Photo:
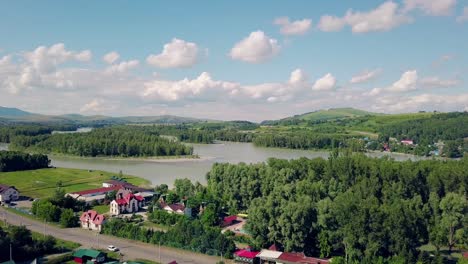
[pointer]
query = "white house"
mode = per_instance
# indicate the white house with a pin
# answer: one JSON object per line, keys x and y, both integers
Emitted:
{"x": 8, "y": 193}
{"x": 130, "y": 203}
{"x": 177, "y": 208}
{"x": 92, "y": 220}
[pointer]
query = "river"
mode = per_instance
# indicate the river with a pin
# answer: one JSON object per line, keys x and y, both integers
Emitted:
{"x": 166, "y": 171}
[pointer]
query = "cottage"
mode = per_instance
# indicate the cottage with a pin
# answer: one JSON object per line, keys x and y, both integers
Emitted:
{"x": 177, "y": 208}
{"x": 89, "y": 256}
{"x": 246, "y": 256}
{"x": 92, "y": 220}
{"x": 130, "y": 203}
{"x": 8, "y": 193}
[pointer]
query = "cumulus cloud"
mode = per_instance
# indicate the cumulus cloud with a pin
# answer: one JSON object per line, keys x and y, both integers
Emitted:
{"x": 298, "y": 27}
{"x": 365, "y": 76}
{"x": 385, "y": 17}
{"x": 97, "y": 106}
{"x": 407, "y": 82}
{"x": 122, "y": 67}
{"x": 464, "y": 16}
{"x": 111, "y": 57}
{"x": 176, "y": 54}
{"x": 255, "y": 48}
{"x": 428, "y": 102}
{"x": 431, "y": 7}
{"x": 164, "y": 90}
{"x": 326, "y": 83}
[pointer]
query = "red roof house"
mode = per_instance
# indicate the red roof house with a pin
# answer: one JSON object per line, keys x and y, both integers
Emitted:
{"x": 92, "y": 220}
{"x": 292, "y": 258}
{"x": 246, "y": 255}
{"x": 229, "y": 220}
{"x": 128, "y": 204}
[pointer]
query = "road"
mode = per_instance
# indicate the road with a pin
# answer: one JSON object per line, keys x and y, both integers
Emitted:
{"x": 130, "y": 248}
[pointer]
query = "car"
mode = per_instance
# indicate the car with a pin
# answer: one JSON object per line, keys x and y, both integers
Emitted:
{"x": 112, "y": 248}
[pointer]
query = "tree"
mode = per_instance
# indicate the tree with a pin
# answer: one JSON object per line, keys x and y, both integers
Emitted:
{"x": 68, "y": 218}
{"x": 453, "y": 207}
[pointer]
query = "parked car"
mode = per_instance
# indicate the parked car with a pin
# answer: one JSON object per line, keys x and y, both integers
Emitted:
{"x": 112, "y": 248}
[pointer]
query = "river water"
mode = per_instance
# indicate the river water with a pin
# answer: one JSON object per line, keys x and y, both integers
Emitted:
{"x": 166, "y": 171}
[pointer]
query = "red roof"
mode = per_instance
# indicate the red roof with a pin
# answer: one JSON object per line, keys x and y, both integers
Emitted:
{"x": 128, "y": 198}
{"x": 99, "y": 190}
{"x": 246, "y": 253}
{"x": 92, "y": 216}
{"x": 177, "y": 207}
{"x": 229, "y": 219}
{"x": 301, "y": 258}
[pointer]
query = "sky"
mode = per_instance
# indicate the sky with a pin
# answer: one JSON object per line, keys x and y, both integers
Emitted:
{"x": 230, "y": 60}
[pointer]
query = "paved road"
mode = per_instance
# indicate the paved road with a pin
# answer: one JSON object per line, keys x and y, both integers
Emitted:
{"x": 131, "y": 249}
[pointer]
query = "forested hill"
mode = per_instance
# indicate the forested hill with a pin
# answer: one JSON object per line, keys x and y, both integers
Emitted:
{"x": 320, "y": 115}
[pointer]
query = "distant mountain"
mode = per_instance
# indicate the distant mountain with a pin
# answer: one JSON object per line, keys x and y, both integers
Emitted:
{"x": 322, "y": 115}
{"x": 14, "y": 115}
{"x": 7, "y": 112}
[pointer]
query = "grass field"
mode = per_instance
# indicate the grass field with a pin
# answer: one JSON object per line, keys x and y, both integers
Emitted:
{"x": 41, "y": 183}
{"x": 101, "y": 209}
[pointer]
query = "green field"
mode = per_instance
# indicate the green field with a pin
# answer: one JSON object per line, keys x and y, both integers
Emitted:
{"x": 41, "y": 183}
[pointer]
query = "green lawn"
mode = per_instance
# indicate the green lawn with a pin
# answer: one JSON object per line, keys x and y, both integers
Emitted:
{"x": 102, "y": 209}
{"x": 41, "y": 183}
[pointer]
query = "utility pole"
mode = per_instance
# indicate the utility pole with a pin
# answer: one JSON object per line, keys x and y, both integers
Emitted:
{"x": 159, "y": 251}
{"x": 11, "y": 253}
{"x": 45, "y": 221}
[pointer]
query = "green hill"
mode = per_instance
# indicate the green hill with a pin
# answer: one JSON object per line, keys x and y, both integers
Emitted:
{"x": 321, "y": 115}
{"x": 7, "y": 112}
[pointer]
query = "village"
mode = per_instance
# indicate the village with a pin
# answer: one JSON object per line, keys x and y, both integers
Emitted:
{"x": 127, "y": 201}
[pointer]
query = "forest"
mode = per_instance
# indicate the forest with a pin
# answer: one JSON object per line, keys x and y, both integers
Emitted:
{"x": 364, "y": 209}
{"x": 7, "y": 133}
{"x": 125, "y": 141}
{"x": 15, "y": 161}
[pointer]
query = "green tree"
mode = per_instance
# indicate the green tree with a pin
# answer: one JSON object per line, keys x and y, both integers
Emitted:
{"x": 68, "y": 218}
{"x": 453, "y": 207}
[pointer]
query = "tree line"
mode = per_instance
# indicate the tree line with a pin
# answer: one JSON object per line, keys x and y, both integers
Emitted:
{"x": 126, "y": 141}
{"x": 7, "y": 133}
{"x": 364, "y": 209}
{"x": 16, "y": 161}
{"x": 24, "y": 245}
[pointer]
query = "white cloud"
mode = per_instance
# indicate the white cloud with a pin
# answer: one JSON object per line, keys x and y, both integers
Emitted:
{"x": 431, "y": 7}
{"x": 427, "y": 102}
{"x": 176, "y": 54}
{"x": 298, "y": 77}
{"x": 111, "y": 57}
{"x": 255, "y": 48}
{"x": 407, "y": 82}
{"x": 298, "y": 27}
{"x": 436, "y": 82}
{"x": 385, "y": 17}
{"x": 329, "y": 23}
{"x": 464, "y": 16}
{"x": 326, "y": 83}
{"x": 97, "y": 106}
{"x": 365, "y": 76}
{"x": 122, "y": 67}
{"x": 162, "y": 90}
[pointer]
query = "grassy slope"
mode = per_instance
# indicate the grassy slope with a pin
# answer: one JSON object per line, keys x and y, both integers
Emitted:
{"x": 334, "y": 113}
{"x": 41, "y": 183}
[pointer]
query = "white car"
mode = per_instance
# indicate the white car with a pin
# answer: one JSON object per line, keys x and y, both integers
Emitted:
{"x": 112, "y": 248}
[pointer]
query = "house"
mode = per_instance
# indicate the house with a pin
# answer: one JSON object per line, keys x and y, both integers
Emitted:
{"x": 269, "y": 256}
{"x": 89, "y": 196}
{"x": 124, "y": 185}
{"x": 177, "y": 208}
{"x": 89, "y": 256}
{"x": 130, "y": 203}
{"x": 229, "y": 220}
{"x": 8, "y": 193}
{"x": 92, "y": 220}
{"x": 407, "y": 142}
{"x": 293, "y": 258}
{"x": 246, "y": 255}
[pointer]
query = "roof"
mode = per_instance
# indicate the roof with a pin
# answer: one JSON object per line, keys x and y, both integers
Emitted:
{"x": 128, "y": 198}
{"x": 269, "y": 254}
{"x": 231, "y": 218}
{"x": 86, "y": 252}
{"x": 92, "y": 216}
{"x": 4, "y": 187}
{"x": 176, "y": 207}
{"x": 98, "y": 190}
{"x": 246, "y": 253}
{"x": 301, "y": 258}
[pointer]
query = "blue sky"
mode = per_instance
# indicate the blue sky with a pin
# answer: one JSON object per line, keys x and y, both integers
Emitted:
{"x": 233, "y": 60}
